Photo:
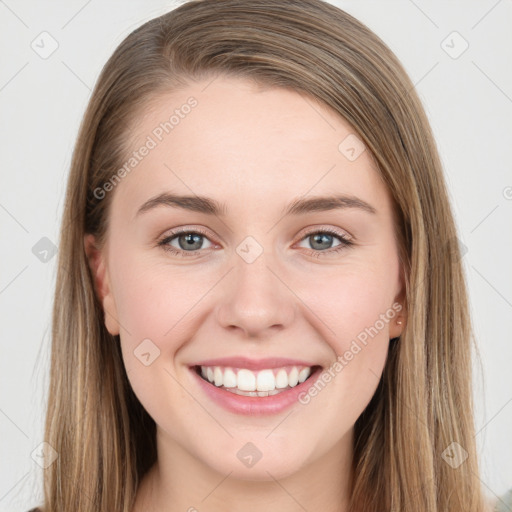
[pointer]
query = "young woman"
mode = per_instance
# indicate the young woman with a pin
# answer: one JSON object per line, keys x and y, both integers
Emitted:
{"x": 259, "y": 301}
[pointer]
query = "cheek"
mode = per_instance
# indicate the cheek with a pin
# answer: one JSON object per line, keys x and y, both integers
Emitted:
{"x": 356, "y": 311}
{"x": 154, "y": 304}
{"x": 352, "y": 300}
{"x": 157, "y": 301}
{"x": 356, "y": 307}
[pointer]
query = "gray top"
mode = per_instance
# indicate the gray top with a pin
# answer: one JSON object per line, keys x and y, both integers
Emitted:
{"x": 504, "y": 503}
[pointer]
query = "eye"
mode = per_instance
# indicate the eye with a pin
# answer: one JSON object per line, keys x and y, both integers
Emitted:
{"x": 323, "y": 238}
{"x": 189, "y": 242}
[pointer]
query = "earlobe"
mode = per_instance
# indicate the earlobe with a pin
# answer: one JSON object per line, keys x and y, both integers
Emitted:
{"x": 398, "y": 322}
{"x": 99, "y": 270}
{"x": 396, "y": 326}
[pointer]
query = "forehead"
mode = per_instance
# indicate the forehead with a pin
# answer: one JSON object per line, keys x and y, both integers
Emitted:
{"x": 249, "y": 146}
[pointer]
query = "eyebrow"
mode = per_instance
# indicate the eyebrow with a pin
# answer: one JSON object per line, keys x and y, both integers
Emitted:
{"x": 209, "y": 206}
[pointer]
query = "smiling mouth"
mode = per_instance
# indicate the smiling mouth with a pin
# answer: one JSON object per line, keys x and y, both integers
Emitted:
{"x": 244, "y": 382}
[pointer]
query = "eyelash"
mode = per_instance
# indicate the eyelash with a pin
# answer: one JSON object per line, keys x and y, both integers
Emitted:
{"x": 345, "y": 242}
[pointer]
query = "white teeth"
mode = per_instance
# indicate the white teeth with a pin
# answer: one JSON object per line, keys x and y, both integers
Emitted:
{"x": 281, "y": 379}
{"x": 246, "y": 381}
{"x": 263, "y": 383}
{"x": 236, "y": 391}
{"x": 293, "y": 378}
{"x": 229, "y": 379}
{"x": 304, "y": 374}
{"x": 266, "y": 381}
{"x": 217, "y": 376}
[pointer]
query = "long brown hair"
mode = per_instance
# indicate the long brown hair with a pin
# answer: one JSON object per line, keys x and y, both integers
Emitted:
{"x": 104, "y": 437}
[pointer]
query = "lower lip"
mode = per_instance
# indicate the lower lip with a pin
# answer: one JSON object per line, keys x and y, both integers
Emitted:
{"x": 253, "y": 406}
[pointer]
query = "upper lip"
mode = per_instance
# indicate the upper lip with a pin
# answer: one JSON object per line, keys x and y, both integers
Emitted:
{"x": 254, "y": 364}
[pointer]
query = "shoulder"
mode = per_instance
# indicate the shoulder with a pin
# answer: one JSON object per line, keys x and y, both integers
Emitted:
{"x": 504, "y": 502}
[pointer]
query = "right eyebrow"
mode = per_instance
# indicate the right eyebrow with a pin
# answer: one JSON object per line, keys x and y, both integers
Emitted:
{"x": 198, "y": 204}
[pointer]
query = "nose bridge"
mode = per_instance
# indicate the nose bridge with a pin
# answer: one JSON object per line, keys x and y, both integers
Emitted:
{"x": 255, "y": 299}
{"x": 252, "y": 273}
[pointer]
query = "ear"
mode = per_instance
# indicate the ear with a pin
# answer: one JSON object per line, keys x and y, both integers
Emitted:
{"x": 398, "y": 322}
{"x": 102, "y": 288}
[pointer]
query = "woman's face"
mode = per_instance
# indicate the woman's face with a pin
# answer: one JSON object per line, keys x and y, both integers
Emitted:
{"x": 314, "y": 285}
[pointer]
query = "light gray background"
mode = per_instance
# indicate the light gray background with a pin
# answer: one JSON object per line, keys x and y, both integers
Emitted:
{"x": 468, "y": 100}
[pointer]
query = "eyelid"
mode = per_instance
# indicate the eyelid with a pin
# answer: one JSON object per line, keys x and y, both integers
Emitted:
{"x": 326, "y": 229}
{"x": 186, "y": 229}
{"x": 173, "y": 233}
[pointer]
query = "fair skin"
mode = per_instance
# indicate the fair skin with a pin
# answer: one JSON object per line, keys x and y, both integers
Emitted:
{"x": 256, "y": 151}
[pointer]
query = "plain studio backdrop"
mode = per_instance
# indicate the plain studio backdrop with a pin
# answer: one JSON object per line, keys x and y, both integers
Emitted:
{"x": 457, "y": 53}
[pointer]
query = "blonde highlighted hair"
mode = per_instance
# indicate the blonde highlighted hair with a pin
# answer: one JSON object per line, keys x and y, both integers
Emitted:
{"x": 104, "y": 437}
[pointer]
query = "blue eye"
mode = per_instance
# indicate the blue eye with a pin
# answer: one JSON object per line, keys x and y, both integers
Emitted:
{"x": 325, "y": 236}
{"x": 186, "y": 239}
{"x": 191, "y": 241}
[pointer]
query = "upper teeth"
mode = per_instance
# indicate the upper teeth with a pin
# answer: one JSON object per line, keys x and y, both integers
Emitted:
{"x": 247, "y": 380}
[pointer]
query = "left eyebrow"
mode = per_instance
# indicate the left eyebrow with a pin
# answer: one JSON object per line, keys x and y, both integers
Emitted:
{"x": 210, "y": 206}
{"x": 322, "y": 204}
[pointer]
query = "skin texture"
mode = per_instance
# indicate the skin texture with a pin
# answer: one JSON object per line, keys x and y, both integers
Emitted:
{"x": 257, "y": 150}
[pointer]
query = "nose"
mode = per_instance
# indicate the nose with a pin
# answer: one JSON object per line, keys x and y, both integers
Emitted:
{"x": 255, "y": 299}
